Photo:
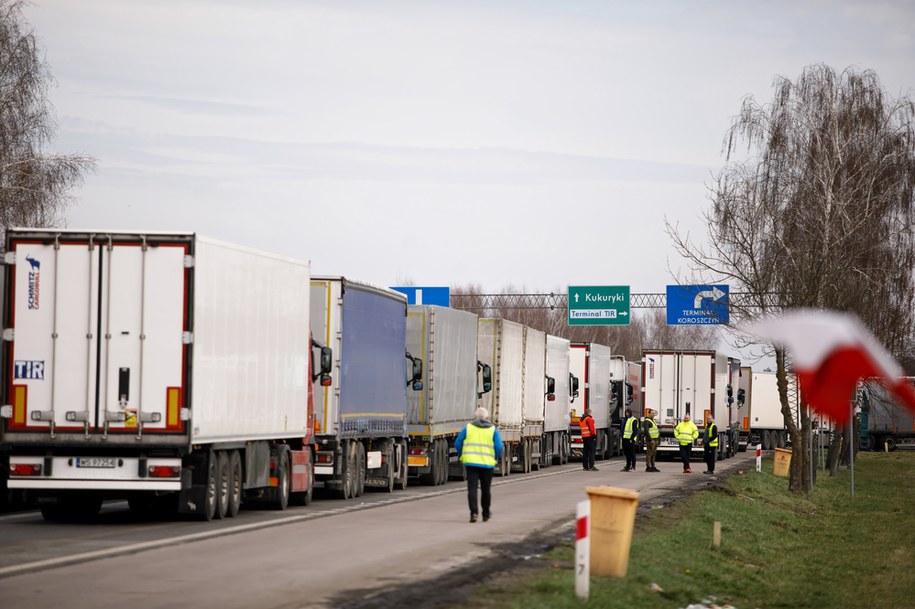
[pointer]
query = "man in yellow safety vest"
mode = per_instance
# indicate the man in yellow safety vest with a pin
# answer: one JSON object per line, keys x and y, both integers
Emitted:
{"x": 710, "y": 444}
{"x": 686, "y": 433}
{"x": 479, "y": 447}
{"x": 630, "y": 432}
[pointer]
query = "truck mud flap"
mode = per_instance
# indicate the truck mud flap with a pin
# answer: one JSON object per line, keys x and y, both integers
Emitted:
{"x": 192, "y": 497}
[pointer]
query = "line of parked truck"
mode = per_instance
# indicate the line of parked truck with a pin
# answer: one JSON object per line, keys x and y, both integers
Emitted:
{"x": 183, "y": 373}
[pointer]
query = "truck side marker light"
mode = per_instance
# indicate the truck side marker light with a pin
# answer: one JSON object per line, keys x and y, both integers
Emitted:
{"x": 20, "y": 393}
{"x": 172, "y": 405}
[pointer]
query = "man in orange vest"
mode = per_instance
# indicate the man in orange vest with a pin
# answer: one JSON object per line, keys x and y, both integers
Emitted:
{"x": 589, "y": 441}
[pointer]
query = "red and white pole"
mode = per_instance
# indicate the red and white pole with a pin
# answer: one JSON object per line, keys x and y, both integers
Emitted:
{"x": 583, "y": 549}
{"x": 759, "y": 457}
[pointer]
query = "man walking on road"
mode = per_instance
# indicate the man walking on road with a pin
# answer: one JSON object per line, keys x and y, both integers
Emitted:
{"x": 650, "y": 435}
{"x": 686, "y": 433}
{"x": 479, "y": 447}
{"x": 710, "y": 444}
{"x": 630, "y": 429}
{"x": 588, "y": 440}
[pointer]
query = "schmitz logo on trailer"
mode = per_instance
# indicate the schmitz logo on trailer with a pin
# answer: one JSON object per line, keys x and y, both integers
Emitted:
{"x": 34, "y": 282}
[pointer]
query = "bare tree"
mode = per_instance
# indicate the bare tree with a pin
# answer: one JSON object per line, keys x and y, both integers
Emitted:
{"x": 33, "y": 183}
{"x": 820, "y": 214}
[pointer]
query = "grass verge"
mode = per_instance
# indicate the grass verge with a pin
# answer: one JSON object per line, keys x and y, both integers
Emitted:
{"x": 825, "y": 549}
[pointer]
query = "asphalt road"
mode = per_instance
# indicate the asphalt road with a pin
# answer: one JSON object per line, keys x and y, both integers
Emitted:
{"x": 303, "y": 557}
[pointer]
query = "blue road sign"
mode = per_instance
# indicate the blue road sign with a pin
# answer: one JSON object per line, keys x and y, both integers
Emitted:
{"x": 697, "y": 304}
{"x": 427, "y": 296}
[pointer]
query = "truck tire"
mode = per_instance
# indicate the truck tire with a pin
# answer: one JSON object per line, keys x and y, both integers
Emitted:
{"x": 235, "y": 484}
{"x": 211, "y": 496}
{"x": 360, "y": 470}
{"x": 441, "y": 460}
{"x": 283, "y": 481}
{"x": 222, "y": 485}
{"x": 401, "y": 448}
{"x": 871, "y": 443}
{"x": 766, "y": 440}
{"x": 348, "y": 472}
{"x": 890, "y": 442}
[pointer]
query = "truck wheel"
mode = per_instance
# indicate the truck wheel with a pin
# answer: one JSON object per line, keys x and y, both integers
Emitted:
{"x": 211, "y": 500}
{"x": 441, "y": 462}
{"x": 871, "y": 443}
{"x": 235, "y": 483}
{"x": 348, "y": 473}
{"x": 566, "y": 448}
{"x": 401, "y": 449}
{"x": 222, "y": 485}
{"x": 283, "y": 482}
{"x": 766, "y": 440}
{"x": 360, "y": 469}
{"x": 890, "y": 442}
{"x": 445, "y": 462}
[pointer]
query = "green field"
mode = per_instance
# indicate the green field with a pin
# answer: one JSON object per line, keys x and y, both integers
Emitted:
{"x": 827, "y": 549}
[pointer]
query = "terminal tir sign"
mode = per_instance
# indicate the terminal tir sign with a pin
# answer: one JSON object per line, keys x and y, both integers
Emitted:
{"x": 29, "y": 370}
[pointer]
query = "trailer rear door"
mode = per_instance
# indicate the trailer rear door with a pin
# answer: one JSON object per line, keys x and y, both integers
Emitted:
{"x": 96, "y": 334}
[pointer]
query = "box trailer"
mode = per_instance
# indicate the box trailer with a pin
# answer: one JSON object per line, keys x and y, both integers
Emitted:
{"x": 361, "y": 417}
{"x": 590, "y": 364}
{"x": 743, "y": 407}
{"x": 556, "y": 414}
{"x": 445, "y": 340}
{"x": 885, "y": 423}
{"x": 677, "y": 383}
{"x": 169, "y": 369}
{"x": 501, "y": 344}
{"x": 764, "y": 412}
{"x": 533, "y": 400}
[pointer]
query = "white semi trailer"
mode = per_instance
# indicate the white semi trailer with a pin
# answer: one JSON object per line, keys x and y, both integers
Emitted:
{"x": 590, "y": 364}
{"x": 677, "y": 383}
{"x": 501, "y": 343}
{"x": 167, "y": 369}
{"x": 558, "y": 402}
{"x": 446, "y": 341}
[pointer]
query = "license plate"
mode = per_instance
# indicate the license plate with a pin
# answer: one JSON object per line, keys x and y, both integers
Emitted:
{"x": 417, "y": 461}
{"x": 96, "y": 462}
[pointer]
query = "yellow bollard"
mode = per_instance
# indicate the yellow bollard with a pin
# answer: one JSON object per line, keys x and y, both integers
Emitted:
{"x": 612, "y": 520}
{"x": 716, "y": 535}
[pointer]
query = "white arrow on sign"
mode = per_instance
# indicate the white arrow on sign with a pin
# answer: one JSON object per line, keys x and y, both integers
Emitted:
{"x": 713, "y": 294}
{"x": 624, "y": 313}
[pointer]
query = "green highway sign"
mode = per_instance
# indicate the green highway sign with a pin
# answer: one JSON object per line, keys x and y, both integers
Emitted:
{"x": 601, "y": 305}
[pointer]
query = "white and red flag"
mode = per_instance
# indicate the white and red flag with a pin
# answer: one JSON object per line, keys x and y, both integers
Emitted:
{"x": 831, "y": 351}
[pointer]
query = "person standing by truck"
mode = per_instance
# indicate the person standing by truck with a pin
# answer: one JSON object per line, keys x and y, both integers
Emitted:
{"x": 629, "y": 427}
{"x": 479, "y": 447}
{"x": 686, "y": 433}
{"x": 589, "y": 441}
{"x": 710, "y": 444}
{"x": 650, "y": 435}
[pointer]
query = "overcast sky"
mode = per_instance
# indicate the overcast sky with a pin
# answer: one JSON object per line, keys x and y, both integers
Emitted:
{"x": 531, "y": 143}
